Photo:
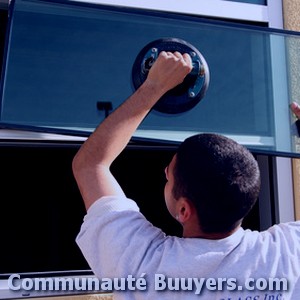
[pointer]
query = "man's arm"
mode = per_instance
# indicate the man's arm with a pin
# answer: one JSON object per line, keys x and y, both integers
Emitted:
{"x": 92, "y": 162}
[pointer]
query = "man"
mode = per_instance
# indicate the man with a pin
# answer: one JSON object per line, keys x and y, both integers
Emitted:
{"x": 212, "y": 183}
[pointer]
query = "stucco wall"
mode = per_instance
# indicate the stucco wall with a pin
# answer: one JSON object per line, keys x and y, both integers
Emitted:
{"x": 291, "y": 15}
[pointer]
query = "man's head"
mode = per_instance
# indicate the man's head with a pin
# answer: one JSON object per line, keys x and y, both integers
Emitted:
{"x": 219, "y": 177}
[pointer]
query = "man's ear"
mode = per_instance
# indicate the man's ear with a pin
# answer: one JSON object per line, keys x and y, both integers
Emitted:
{"x": 185, "y": 210}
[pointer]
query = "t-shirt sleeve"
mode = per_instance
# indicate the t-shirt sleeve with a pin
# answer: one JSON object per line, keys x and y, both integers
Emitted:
{"x": 117, "y": 240}
{"x": 285, "y": 237}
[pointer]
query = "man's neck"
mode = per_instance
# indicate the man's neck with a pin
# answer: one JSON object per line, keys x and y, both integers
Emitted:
{"x": 198, "y": 233}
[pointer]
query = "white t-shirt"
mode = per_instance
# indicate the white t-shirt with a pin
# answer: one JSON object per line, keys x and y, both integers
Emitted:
{"x": 122, "y": 247}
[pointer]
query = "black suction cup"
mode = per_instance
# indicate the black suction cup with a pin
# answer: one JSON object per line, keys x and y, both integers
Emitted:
{"x": 187, "y": 94}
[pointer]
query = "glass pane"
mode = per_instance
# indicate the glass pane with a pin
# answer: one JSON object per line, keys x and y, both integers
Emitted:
{"x": 62, "y": 58}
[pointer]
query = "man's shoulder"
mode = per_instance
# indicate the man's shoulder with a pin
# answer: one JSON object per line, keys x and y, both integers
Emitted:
{"x": 288, "y": 232}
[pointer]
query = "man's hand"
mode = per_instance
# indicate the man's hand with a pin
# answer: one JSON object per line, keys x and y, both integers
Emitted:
{"x": 168, "y": 71}
{"x": 295, "y": 109}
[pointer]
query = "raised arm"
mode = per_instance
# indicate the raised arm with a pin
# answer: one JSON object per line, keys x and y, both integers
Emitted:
{"x": 92, "y": 162}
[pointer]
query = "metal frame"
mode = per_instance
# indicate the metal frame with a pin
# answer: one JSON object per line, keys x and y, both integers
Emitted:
{"x": 271, "y": 14}
{"x": 206, "y": 8}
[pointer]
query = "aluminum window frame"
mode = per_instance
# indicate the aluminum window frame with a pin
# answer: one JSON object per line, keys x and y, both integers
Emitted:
{"x": 270, "y": 14}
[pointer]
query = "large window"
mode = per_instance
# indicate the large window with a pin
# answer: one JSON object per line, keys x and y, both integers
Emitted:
{"x": 62, "y": 59}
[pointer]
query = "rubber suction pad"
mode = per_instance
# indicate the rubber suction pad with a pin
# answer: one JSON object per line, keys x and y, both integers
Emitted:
{"x": 187, "y": 94}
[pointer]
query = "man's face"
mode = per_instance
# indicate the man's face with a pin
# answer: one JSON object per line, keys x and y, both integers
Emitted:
{"x": 169, "y": 198}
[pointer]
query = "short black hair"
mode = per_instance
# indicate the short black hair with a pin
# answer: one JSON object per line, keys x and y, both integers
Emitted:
{"x": 220, "y": 177}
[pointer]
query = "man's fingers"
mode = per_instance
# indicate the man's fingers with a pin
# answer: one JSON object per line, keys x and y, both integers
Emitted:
{"x": 295, "y": 109}
{"x": 163, "y": 53}
{"x": 170, "y": 69}
{"x": 187, "y": 58}
{"x": 178, "y": 55}
{"x": 184, "y": 58}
